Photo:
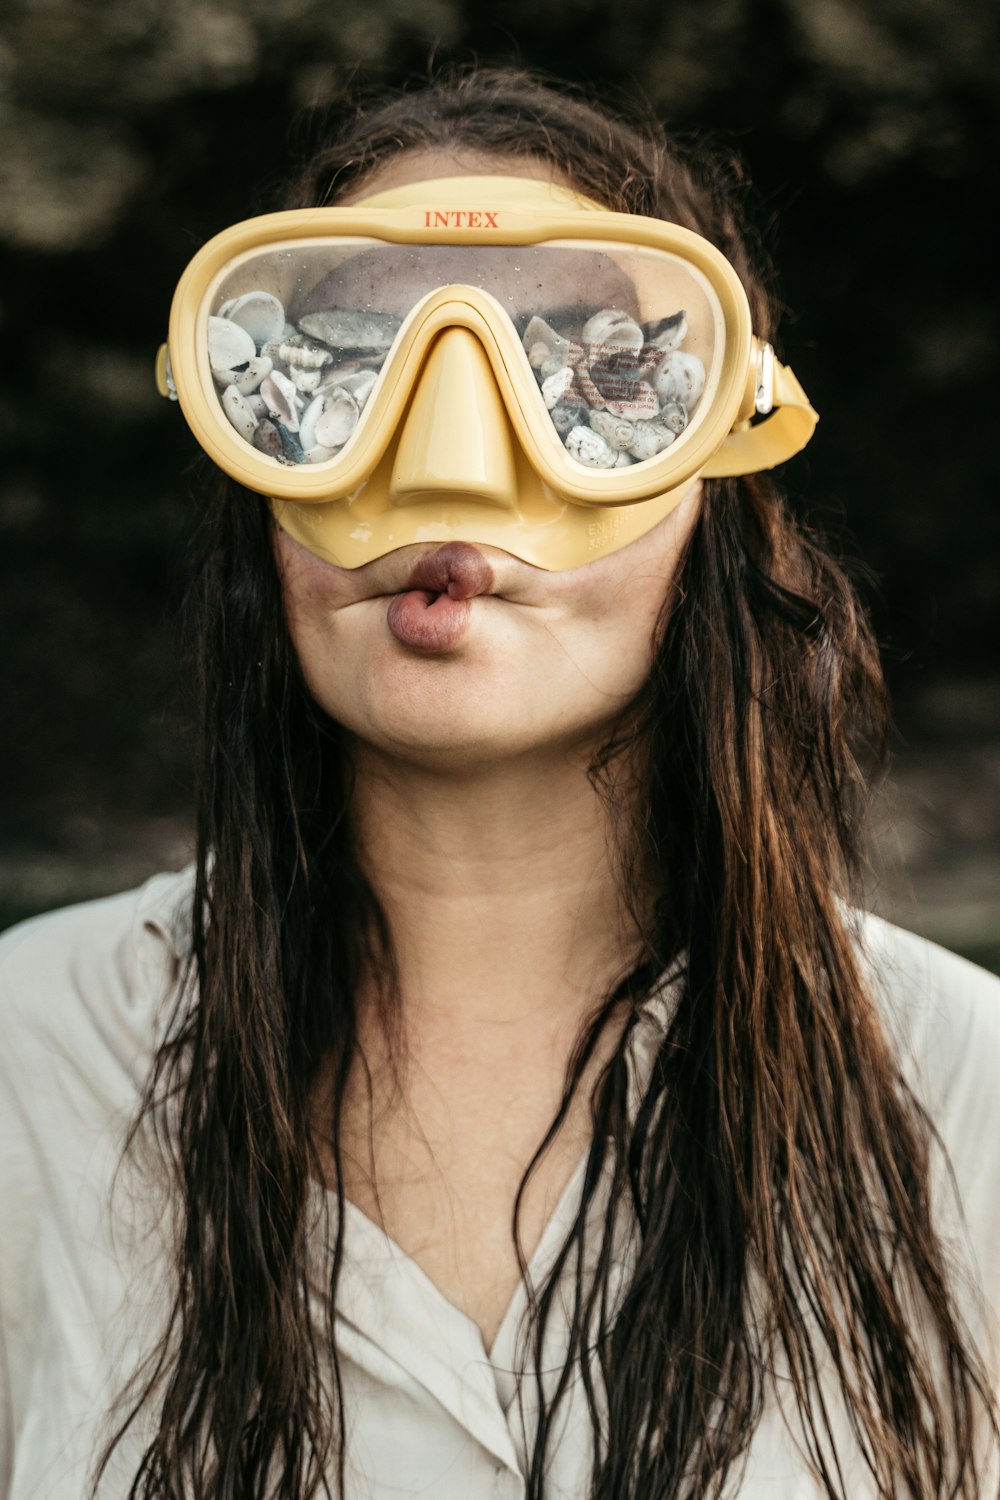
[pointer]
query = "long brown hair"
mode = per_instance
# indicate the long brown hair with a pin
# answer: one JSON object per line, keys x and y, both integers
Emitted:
{"x": 778, "y": 1140}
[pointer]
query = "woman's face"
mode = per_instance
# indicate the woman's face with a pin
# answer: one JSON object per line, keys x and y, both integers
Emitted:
{"x": 508, "y": 660}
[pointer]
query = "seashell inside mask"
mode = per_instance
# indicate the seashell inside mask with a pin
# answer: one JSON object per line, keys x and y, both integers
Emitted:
{"x": 649, "y": 439}
{"x": 641, "y": 405}
{"x": 259, "y": 313}
{"x": 247, "y": 379}
{"x": 337, "y": 421}
{"x": 560, "y": 348}
{"x": 282, "y": 400}
{"x": 267, "y": 439}
{"x": 236, "y": 408}
{"x": 343, "y": 328}
{"x": 303, "y": 354}
{"x": 556, "y": 387}
{"x": 588, "y": 447}
{"x": 566, "y": 415}
{"x": 229, "y": 345}
{"x": 667, "y": 333}
{"x": 680, "y": 377}
{"x": 611, "y": 331}
{"x": 674, "y": 415}
{"x": 616, "y": 431}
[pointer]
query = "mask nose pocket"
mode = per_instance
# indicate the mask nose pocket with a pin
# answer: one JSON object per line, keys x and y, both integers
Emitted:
{"x": 455, "y": 437}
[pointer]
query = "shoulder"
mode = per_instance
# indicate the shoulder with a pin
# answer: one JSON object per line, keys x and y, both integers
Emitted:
{"x": 95, "y": 975}
{"x": 942, "y": 1011}
{"x": 944, "y": 1015}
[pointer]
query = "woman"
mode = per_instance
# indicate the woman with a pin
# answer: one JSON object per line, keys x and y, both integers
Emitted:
{"x": 524, "y": 1110}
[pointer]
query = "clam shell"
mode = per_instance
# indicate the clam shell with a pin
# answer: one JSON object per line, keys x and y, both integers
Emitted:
{"x": 259, "y": 313}
{"x": 337, "y": 421}
{"x": 235, "y": 406}
{"x": 589, "y": 448}
{"x": 616, "y": 431}
{"x": 680, "y": 377}
{"x": 649, "y": 439}
{"x": 345, "y": 328}
{"x": 246, "y": 380}
{"x": 229, "y": 345}
{"x": 667, "y": 333}
{"x": 257, "y": 405}
{"x": 350, "y": 377}
{"x": 311, "y": 415}
{"x": 360, "y": 385}
{"x": 540, "y": 332}
{"x": 282, "y": 399}
{"x": 611, "y": 329}
{"x": 319, "y": 454}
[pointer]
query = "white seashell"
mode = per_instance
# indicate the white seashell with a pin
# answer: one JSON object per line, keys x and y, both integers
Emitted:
{"x": 346, "y": 328}
{"x": 319, "y": 454}
{"x": 360, "y": 384}
{"x": 623, "y": 461}
{"x": 563, "y": 349}
{"x": 229, "y": 345}
{"x": 611, "y": 331}
{"x": 246, "y": 380}
{"x": 306, "y": 355}
{"x": 257, "y": 405}
{"x": 260, "y": 313}
{"x": 305, "y": 380}
{"x": 282, "y": 399}
{"x": 667, "y": 333}
{"x": 337, "y": 421}
{"x": 239, "y": 413}
{"x": 650, "y": 439}
{"x": 555, "y": 387}
{"x": 538, "y": 354}
{"x": 311, "y": 415}
{"x": 551, "y": 365}
{"x": 680, "y": 377}
{"x": 616, "y": 431}
{"x": 640, "y": 406}
{"x": 588, "y": 447}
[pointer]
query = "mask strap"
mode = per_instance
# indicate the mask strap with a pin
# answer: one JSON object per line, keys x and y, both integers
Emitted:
{"x": 770, "y": 442}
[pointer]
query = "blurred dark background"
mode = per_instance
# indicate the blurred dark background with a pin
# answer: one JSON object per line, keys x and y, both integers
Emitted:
{"x": 131, "y": 130}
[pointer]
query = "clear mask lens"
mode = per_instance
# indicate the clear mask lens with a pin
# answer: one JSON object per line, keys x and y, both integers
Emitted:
{"x": 622, "y": 346}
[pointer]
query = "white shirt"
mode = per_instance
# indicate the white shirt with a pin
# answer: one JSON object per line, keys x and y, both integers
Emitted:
{"x": 85, "y": 1283}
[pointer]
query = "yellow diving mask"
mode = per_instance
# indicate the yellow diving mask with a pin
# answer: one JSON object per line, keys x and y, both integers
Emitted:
{"x": 484, "y": 359}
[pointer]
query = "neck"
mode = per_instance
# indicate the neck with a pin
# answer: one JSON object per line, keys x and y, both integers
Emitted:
{"x": 500, "y": 890}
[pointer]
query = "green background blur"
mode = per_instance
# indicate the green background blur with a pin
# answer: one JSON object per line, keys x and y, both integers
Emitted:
{"x": 131, "y": 130}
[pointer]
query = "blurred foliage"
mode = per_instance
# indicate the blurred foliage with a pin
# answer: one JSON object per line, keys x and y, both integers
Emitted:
{"x": 130, "y": 130}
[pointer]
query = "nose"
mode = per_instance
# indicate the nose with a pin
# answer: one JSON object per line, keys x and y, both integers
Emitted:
{"x": 455, "y": 437}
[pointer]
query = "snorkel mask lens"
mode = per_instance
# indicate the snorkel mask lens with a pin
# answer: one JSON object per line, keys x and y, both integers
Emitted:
{"x": 619, "y": 342}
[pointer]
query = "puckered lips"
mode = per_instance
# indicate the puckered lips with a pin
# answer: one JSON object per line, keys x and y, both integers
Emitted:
{"x": 433, "y": 612}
